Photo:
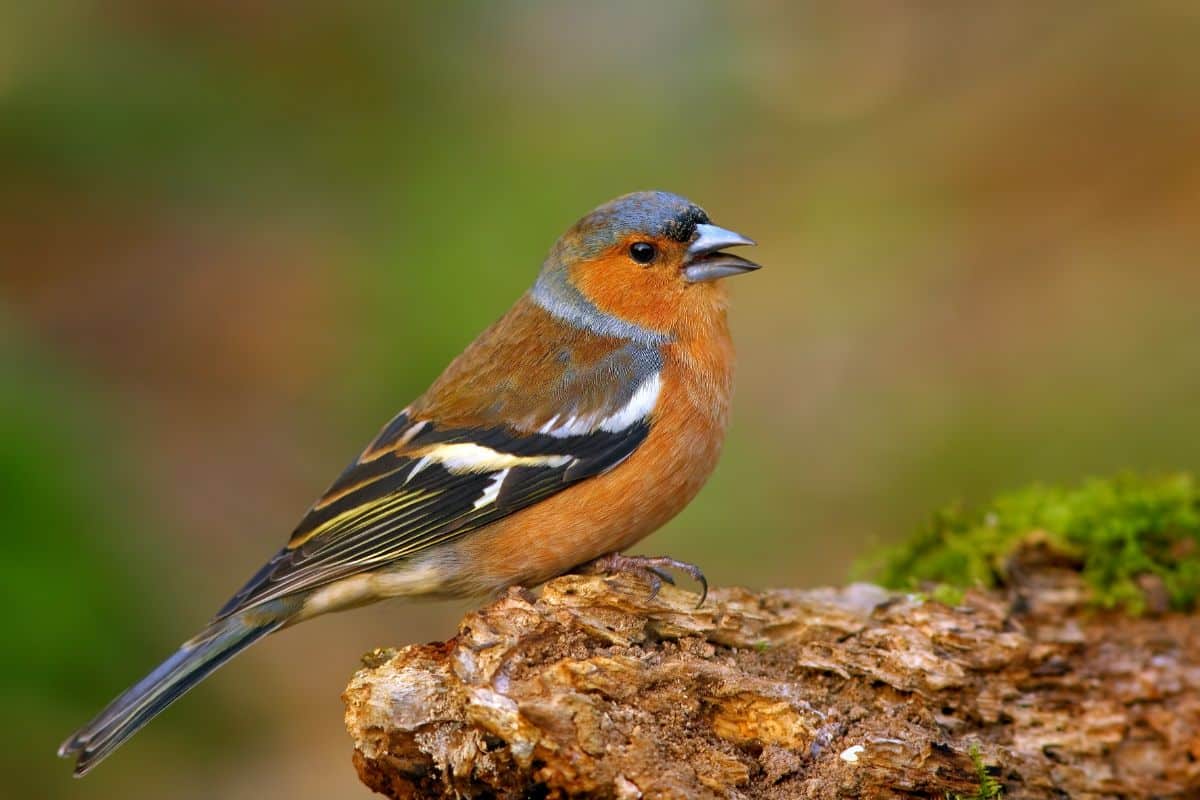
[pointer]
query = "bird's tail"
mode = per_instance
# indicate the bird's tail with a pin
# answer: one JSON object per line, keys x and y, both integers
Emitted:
{"x": 191, "y": 663}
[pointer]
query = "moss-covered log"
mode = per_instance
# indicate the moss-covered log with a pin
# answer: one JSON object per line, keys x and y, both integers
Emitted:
{"x": 595, "y": 689}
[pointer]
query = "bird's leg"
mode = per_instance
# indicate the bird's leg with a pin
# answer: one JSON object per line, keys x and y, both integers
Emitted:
{"x": 652, "y": 569}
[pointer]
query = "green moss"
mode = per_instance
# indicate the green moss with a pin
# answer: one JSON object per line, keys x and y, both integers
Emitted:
{"x": 948, "y": 595}
{"x": 989, "y": 787}
{"x": 1119, "y": 529}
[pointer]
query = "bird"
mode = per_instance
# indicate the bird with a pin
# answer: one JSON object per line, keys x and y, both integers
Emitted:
{"x": 585, "y": 418}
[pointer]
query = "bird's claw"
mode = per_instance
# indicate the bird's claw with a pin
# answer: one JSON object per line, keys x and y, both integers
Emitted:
{"x": 652, "y": 569}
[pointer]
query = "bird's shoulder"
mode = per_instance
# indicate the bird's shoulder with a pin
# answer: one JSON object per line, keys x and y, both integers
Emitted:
{"x": 530, "y": 367}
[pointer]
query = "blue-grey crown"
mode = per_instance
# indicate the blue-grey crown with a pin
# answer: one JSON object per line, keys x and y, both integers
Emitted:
{"x": 653, "y": 214}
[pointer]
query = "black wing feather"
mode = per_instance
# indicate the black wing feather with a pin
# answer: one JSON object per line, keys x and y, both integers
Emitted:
{"x": 387, "y": 506}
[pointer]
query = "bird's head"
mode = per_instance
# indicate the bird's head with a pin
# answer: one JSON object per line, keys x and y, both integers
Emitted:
{"x": 652, "y": 259}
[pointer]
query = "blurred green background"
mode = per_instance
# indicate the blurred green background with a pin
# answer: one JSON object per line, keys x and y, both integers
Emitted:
{"x": 236, "y": 237}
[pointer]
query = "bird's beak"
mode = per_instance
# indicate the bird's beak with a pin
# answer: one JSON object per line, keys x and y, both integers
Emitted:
{"x": 706, "y": 262}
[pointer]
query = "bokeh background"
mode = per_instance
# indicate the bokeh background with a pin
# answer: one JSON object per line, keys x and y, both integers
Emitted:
{"x": 235, "y": 237}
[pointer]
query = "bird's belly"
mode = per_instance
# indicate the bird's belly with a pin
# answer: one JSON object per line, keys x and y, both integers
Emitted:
{"x": 607, "y": 513}
{"x": 421, "y": 577}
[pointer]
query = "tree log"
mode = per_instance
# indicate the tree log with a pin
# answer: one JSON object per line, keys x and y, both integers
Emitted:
{"x": 596, "y": 688}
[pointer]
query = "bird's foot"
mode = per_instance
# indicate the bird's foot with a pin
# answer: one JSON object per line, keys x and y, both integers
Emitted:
{"x": 652, "y": 569}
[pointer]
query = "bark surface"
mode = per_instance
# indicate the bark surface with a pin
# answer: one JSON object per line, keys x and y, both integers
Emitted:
{"x": 593, "y": 688}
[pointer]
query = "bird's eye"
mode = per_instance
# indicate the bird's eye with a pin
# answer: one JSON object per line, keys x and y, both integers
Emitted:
{"x": 642, "y": 252}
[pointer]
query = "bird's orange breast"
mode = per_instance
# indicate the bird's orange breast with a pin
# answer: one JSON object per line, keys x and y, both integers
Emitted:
{"x": 612, "y": 511}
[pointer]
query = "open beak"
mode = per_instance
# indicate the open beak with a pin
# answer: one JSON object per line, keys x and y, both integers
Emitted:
{"x": 706, "y": 262}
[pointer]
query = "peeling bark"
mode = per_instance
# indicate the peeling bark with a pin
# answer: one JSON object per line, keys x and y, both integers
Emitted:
{"x": 595, "y": 689}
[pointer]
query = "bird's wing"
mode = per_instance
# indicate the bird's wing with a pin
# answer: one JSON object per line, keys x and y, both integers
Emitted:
{"x": 423, "y": 482}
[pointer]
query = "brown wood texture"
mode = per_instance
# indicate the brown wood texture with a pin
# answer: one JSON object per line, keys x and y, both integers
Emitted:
{"x": 592, "y": 688}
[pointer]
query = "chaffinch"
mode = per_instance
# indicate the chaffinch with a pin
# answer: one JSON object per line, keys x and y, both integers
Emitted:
{"x": 585, "y": 418}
